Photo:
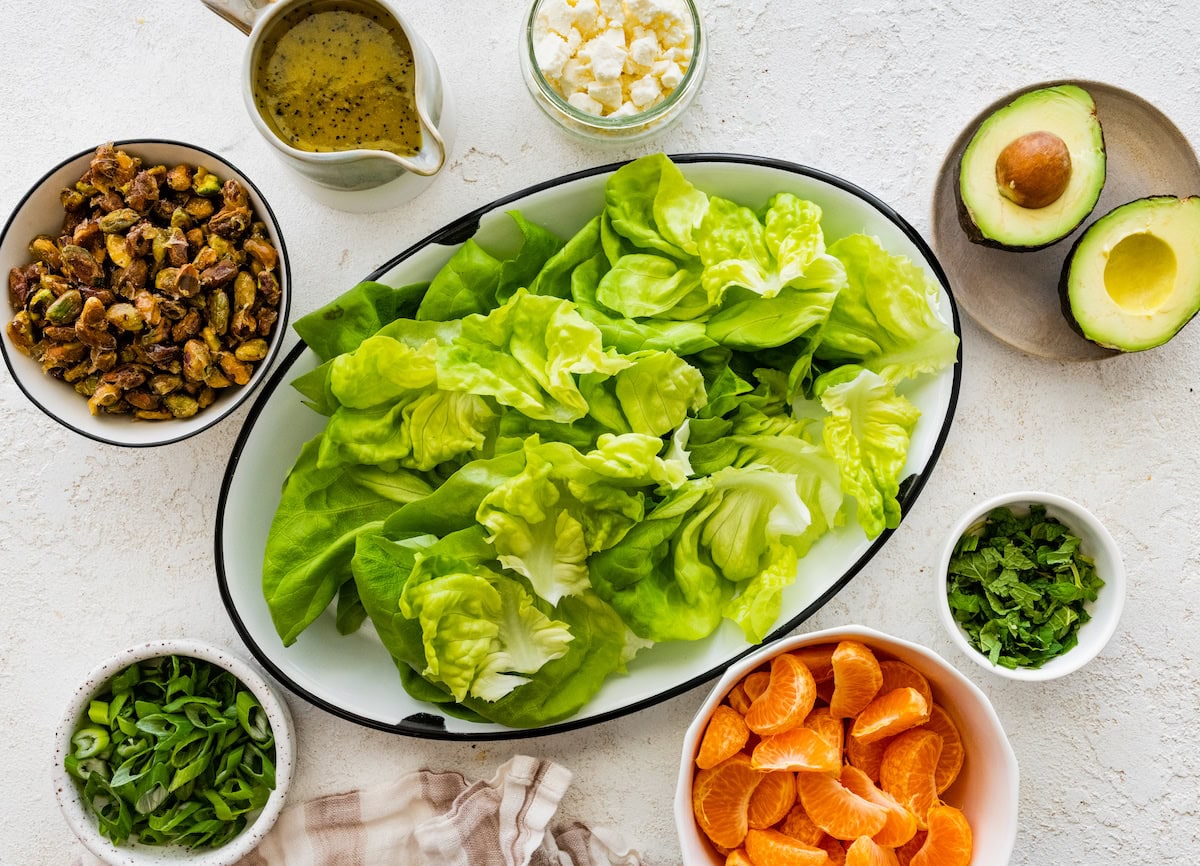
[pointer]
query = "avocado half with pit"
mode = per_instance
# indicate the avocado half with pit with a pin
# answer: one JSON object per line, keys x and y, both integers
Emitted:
{"x": 1132, "y": 280}
{"x": 1033, "y": 170}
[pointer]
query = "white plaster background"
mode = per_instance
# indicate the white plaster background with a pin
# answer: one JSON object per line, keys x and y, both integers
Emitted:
{"x": 103, "y": 547}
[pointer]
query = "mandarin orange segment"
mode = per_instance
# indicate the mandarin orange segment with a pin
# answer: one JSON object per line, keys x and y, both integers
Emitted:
{"x": 831, "y": 730}
{"x": 951, "y": 760}
{"x": 909, "y": 849}
{"x": 787, "y": 699}
{"x": 949, "y": 840}
{"x": 867, "y": 852}
{"x": 756, "y": 683}
{"x": 901, "y": 823}
{"x": 825, "y": 691}
{"x": 725, "y": 736}
{"x": 897, "y": 674}
{"x": 772, "y": 848}
{"x": 836, "y": 809}
{"x": 907, "y": 771}
{"x": 866, "y": 756}
{"x": 738, "y": 699}
{"x": 835, "y": 850}
{"x": 798, "y": 825}
{"x": 800, "y": 749}
{"x": 738, "y": 857}
{"x": 889, "y": 714}
{"x": 771, "y": 800}
{"x": 856, "y": 679}
{"x": 721, "y": 798}
{"x": 818, "y": 659}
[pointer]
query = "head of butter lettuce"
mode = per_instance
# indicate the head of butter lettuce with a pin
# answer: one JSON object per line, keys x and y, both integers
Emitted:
{"x": 539, "y": 463}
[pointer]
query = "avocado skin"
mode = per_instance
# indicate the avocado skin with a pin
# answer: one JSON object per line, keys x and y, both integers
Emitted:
{"x": 1064, "y": 295}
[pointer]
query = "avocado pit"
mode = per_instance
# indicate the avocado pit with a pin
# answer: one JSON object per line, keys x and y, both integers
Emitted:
{"x": 1033, "y": 171}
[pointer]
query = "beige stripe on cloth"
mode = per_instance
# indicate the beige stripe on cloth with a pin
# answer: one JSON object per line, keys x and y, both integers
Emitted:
{"x": 429, "y": 818}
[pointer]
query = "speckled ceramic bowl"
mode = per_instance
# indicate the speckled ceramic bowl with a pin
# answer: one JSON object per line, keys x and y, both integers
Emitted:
{"x": 78, "y": 814}
{"x": 985, "y": 789}
{"x": 40, "y": 211}
{"x": 1095, "y": 541}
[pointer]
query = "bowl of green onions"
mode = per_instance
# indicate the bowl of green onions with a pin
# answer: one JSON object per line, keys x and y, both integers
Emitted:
{"x": 173, "y": 751}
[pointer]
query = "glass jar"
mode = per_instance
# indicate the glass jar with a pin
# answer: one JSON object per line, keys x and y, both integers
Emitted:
{"x": 623, "y": 126}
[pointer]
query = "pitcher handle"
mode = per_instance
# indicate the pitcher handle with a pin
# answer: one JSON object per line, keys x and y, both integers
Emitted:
{"x": 240, "y": 13}
{"x": 430, "y": 131}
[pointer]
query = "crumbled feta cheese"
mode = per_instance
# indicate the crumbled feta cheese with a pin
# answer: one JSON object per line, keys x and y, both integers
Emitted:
{"x": 585, "y": 103}
{"x": 613, "y": 57}
{"x": 644, "y": 50}
{"x": 552, "y": 52}
{"x": 609, "y": 94}
{"x": 645, "y": 91}
{"x": 671, "y": 76}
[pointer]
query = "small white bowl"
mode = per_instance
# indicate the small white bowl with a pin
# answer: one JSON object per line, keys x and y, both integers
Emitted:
{"x": 39, "y": 212}
{"x": 1095, "y": 542}
{"x": 83, "y": 822}
{"x": 986, "y": 788}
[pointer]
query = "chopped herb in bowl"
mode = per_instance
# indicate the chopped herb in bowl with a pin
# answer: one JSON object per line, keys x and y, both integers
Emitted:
{"x": 1018, "y": 585}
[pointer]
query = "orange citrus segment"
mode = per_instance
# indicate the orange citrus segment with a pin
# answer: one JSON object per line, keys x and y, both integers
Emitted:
{"x": 909, "y": 849}
{"x": 738, "y": 857}
{"x": 787, "y": 699}
{"x": 901, "y": 823}
{"x": 724, "y": 737}
{"x": 866, "y": 852}
{"x": 738, "y": 699}
{"x": 907, "y": 771}
{"x": 755, "y": 684}
{"x": 818, "y": 659}
{"x": 856, "y": 679}
{"x": 771, "y": 800}
{"x": 836, "y": 809}
{"x": 798, "y": 825}
{"x": 825, "y": 690}
{"x": 951, "y": 760}
{"x": 798, "y": 749}
{"x": 721, "y": 798}
{"x": 897, "y": 674}
{"x": 772, "y": 848}
{"x": 835, "y": 849}
{"x": 949, "y": 840}
{"x": 890, "y": 713}
{"x": 830, "y": 729}
{"x": 866, "y": 756}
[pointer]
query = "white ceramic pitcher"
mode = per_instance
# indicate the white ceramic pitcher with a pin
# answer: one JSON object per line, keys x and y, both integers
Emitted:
{"x": 360, "y": 179}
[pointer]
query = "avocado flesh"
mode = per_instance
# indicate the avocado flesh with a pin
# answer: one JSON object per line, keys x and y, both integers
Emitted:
{"x": 988, "y": 216}
{"x": 1132, "y": 279}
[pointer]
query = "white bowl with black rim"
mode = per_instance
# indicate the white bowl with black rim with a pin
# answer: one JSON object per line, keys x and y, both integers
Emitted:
{"x": 40, "y": 212}
{"x": 353, "y": 676}
{"x": 77, "y": 811}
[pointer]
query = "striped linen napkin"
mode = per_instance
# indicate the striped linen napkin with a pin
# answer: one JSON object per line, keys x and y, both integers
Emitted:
{"x": 429, "y": 818}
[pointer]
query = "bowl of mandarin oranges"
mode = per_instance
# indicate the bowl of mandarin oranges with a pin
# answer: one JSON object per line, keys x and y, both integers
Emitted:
{"x": 846, "y": 747}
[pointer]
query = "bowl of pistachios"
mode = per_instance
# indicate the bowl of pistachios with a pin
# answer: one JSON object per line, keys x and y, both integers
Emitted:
{"x": 148, "y": 291}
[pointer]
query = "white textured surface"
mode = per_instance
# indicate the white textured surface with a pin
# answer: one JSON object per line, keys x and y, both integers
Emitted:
{"x": 106, "y": 547}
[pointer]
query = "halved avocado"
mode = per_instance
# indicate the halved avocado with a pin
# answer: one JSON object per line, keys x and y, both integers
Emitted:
{"x": 1132, "y": 280}
{"x": 1033, "y": 170}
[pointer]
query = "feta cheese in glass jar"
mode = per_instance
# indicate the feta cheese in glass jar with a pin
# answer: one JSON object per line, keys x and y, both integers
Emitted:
{"x": 613, "y": 70}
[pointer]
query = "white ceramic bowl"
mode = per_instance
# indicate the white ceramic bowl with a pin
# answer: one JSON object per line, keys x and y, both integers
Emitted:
{"x": 1095, "y": 541}
{"x": 40, "y": 212}
{"x": 986, "y": 787}
{"x": 83, "y": 822}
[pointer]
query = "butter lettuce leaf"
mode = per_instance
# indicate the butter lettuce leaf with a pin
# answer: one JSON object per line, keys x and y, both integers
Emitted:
{"x": 867, "y": 433}
{"x": 886, "y": 319}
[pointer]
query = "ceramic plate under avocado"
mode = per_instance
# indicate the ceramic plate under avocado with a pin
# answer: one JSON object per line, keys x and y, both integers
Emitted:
{"x": 1014, "y": 295}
